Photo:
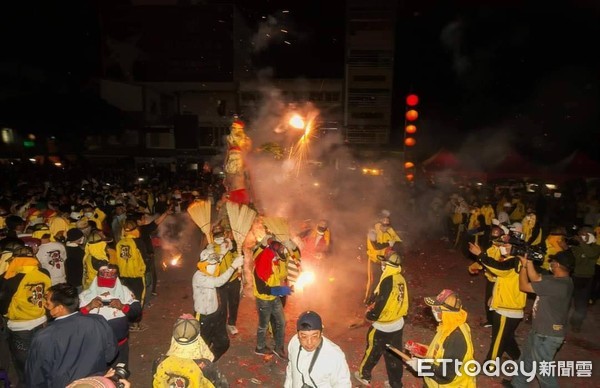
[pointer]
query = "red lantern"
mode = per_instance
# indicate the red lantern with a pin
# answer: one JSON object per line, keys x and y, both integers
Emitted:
{"x": 410, "y": 141}
{"x": 412, "y": 115}
{"x": 411, "y": 129}
{"x": 410, "y": 177}
{"x": 412, "y": 100}
{"x": 408, "y": 165}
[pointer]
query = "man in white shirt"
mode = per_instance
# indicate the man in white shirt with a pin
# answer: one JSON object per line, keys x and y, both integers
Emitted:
{"x": 52, "y": 256}
{"x": 206, "y": 302}
{"x": 315, "y": 361}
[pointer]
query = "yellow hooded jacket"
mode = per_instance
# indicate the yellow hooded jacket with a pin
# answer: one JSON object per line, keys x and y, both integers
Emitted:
{"x": 382, "y": 237}
{"x": 27, "y": 303}
{"x": 93, "y": 258}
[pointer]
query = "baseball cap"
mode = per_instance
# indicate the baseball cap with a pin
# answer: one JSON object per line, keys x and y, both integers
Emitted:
{"x": 564, "y": 258}
{"x": 309, "y": 320}
{"x": 447, "y": 298}
{"x": 186, "y": 330}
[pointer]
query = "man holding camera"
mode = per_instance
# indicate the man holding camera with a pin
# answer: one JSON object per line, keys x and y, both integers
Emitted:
{"x": 550, "y": 311}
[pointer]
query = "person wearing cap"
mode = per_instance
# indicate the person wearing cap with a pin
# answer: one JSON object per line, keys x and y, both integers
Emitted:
{"x": 387, "y": 317}
{"x": 317, "y": 242}
{"x": 379, "y": 238}
{"x": 314, "y": 360}
{"x": 52, "y": 256}
{"x": 74, "y": 262}
{"x": 452, "y": 341}
{"x": 189, "y": 361}
{"x": 503, "y": 217}
{"x": 210, "y": 311}
{"x": 587, "y": 253}
{"x": 22, "y": 289}
{"x": 269, "y": 286}
{"x": 72, "y": 346}
{"x": 107, "y": 297}
{"x": 550, "y": 314}
{"x": 507, "y": 301}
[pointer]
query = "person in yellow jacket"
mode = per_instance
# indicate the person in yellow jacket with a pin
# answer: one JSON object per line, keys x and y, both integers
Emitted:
{"x": 532, "y": 230}
{"x": 130, "y": 261}
{"x": 555, "y": 242}
{"x": 230, "y": 292}
{"x": 381, "y": 237}
{"x": 95, "y": 256}
{"x": 518, "y": 209}
{"x": 452, "y": 341}
{"x": 493, "y": 251}
{"x": 22, "y": 290}
{"x": 387, "y": 317}
{"x": 189, "y": 361}
{"x": 507, "y": 301}
{"x": 487, "y": 210}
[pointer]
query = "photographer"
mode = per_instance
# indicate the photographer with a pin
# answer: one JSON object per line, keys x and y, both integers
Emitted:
{"x": 507, "y": 300}
{"x": 550, "y": 311}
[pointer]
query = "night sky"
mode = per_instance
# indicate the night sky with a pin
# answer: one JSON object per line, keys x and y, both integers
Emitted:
{"x": 529, "y": 68}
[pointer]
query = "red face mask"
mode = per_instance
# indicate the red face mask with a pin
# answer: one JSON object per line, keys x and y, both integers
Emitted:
{"x": 107, "y": 277}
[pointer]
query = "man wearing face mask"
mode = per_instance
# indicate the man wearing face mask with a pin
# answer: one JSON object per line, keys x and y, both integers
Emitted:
{"x": 314, "y": 361}
{"x": 452, "y": 341}
{"x": 206, "y": 302}
{"x": 507, "y": 301}
{"x": 95, "y": 256}
{"x": 493, "y": 251}
{"x": 381, "y": 237}
{"x": 586, "y": 254}
{"x": 318, "y": 241}
{"x": 269, "y": 287}
{"x": 387, "y": 315}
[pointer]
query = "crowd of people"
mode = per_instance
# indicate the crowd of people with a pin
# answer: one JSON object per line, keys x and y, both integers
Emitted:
{"x": 78, "y": 268}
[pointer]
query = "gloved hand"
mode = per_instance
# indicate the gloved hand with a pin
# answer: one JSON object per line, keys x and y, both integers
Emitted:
{"x": 281, "y": 291}
{"x": 413, "y": 363}
{"x": 238, "y": 262}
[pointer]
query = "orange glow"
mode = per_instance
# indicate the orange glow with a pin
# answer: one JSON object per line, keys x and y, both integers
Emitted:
{"x": 412, "y": 115}
{"x": 410, "y": 141}
{"x": 408, "y": 165}
{"x": 297, "y": 122}
{"x": 412, "y": 100}
{"x": 410, "y": 177}
{"x": 411, "y": 128}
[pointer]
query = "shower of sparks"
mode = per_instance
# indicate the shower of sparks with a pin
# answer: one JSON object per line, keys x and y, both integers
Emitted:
{"x": 299, "y": 151}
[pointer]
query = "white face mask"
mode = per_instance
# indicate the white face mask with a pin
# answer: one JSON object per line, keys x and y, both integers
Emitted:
{"x": 503, "y": 251}
{"x": 219, "y": 240}
{"x": 88, "y": 214}
{"x": 211, "y": 268}
{"x": 436, "y": 314}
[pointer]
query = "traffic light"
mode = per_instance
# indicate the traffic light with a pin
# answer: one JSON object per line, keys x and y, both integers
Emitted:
{"x": 410, "y": 129}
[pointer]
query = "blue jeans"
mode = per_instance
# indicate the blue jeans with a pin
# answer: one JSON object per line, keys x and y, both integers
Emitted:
{"x": 538, "y": 348}
{"x": 266, "y": 309}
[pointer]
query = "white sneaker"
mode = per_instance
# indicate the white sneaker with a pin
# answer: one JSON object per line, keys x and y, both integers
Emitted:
{"x": 361, "y": 380}
{"x": 232, "y": 329}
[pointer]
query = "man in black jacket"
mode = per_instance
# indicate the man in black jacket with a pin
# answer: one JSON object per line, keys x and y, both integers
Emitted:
{"x": 72, "y": 346}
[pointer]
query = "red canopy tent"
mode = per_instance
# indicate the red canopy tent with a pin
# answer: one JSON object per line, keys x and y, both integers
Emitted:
{"x": 441, "y": 161}
{"x": 514, "y": 165}
{"x": 578, "y": 165}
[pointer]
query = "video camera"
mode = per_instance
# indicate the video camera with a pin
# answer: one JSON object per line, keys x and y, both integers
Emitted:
{"x": 520, "y": 248}
{"x": 121, "y": 373}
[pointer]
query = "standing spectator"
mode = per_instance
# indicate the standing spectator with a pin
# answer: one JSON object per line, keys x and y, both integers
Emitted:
{"x": 206, "y": 301}
{"x": 229, "y": 293}
{"x": 586, "y": 254}
{"x": 115, "y": 302}
{"x": 315, "y": 361}
{"x": 72, "y": 346}
{"x": 268, "y": 288}
{"x": 22, "y": 289}
{"x": 387, "y": 314}
{"x": 74, "y": 262}
{"x": 52, "y": 256}
{"x": 118, "y": 220}
{"x": 550, "y": 312}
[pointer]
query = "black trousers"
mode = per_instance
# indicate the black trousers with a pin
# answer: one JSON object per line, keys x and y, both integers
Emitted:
{"x": 489, "y": 289}
{"x": 214, "y": 332}
{"x": 376, "y": 341}
{"x": 503, "y": 337}
{"x": 19, "y": 343}
{"x": 229, "y": 295}
{"x": 581, "y": 295}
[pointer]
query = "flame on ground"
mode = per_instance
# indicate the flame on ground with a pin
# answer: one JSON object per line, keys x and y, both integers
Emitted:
{"x": 305, "y": 278}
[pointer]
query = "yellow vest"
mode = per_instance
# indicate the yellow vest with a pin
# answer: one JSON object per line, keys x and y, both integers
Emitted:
{"x": 392, "y": 311}
{"x": 179, "y": 372}
{"x": 28, "y": 301}
{"x": 488, "y": 213}
{"x": 129, "y": 259}
{"x": 382, "y": 237}
{"x": 436, "y": 351}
